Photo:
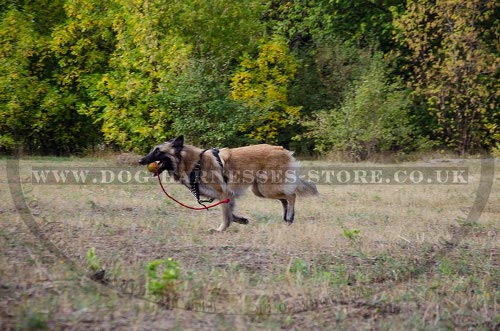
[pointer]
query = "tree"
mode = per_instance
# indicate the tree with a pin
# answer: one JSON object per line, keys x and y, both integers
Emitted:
{"x": 200, "y": 102}
{"x": 361, "y": 22}
{"x": 373, "y": 117}
{"x": 333, "y": 42}
{"x": 20, "y": 91}
{"x": 34, "y": 113}
{"x": 452, "y": 69}
{"x": 261, "y": 84}
{"x": 168, "y": 72}
{"x": 146, "y": 60}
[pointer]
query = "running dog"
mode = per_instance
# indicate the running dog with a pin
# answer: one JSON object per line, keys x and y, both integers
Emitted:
{"x": 270, "y": 171}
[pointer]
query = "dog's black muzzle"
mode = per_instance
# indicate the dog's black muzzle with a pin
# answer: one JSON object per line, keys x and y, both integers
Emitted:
{"x": 145, "y": 160}
{"x": 164, "y": 163}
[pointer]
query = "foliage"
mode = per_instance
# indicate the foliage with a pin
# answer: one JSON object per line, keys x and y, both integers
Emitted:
{"x": 495, "y": 151}
{"x": 352, "y": 235}
{"x": 299, "y": 267}
{"x": 332, "y": 41}
{"x": 358, "y": 22}
{"x": 219, "y": 29}
{"x": 19, "y": 91}
{"x": 162, "y": 283}
{"x": 338, "y": 64}
{"x": 155, "y": 86}
{"x": 77, "y": 73}
{"x": 34, "y": 113}
{"x": 33, "y": 320}
{"x": 143, "y": 63}
{"x": 453, "y": 69}
{"x": 261, "y": 83}
{"x": 93, "y": 262}
{"x": 201, "y": 95}
{"x": 373, "y": 117}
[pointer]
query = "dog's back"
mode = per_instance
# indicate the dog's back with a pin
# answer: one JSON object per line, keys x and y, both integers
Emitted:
{"x": 272, "y": 171}
{"x": 257, "y": 158}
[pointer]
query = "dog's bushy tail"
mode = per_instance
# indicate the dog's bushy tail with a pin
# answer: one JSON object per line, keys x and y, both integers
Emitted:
{"x": 306, "y": 188}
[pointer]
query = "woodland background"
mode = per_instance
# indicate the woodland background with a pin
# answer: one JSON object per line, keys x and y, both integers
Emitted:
{"x": 317, "y": 76}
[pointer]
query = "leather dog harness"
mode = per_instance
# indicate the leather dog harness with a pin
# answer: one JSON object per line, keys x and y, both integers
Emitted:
{"x": 195, "y": 176}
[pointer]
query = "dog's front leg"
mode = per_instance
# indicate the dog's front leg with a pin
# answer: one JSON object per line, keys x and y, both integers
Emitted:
{"x": 227, "y": 215}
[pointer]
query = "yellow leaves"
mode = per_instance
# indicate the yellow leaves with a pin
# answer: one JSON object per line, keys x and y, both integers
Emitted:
{"x": 261, "y": 84}
{"x": 451, "y": 65}
{"x": 293, "y": 112}
{"x": 266, "y": 76}
{"x": 146, "y": 63}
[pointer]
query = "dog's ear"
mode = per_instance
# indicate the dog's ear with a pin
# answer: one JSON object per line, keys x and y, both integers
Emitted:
{"x": 178, "y": 143}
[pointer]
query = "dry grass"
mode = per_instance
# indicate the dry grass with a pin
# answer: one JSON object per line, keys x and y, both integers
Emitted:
{"x": 415, "y": 263}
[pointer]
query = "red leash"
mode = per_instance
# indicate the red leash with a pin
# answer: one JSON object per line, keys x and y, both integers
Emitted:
{"x": 180, "y": 203}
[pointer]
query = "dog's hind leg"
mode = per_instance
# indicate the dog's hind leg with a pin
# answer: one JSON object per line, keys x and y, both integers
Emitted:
{"x": 284, "y": 203}
{"x": 288, "y": 208}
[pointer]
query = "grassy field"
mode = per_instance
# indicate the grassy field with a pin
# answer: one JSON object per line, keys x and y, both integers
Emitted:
{"x": 358, "y": 257}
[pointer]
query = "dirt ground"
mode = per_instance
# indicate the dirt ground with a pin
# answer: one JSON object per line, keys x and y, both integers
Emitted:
{"x": 358, "y": 257}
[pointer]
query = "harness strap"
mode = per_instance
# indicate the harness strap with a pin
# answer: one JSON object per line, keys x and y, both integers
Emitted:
{"x": 215, "y": 152}
{"x": 180, "y": 203}
{"x": 195, "y": 176}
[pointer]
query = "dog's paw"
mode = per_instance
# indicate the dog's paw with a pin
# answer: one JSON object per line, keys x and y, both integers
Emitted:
{"x": 240, "y": 220}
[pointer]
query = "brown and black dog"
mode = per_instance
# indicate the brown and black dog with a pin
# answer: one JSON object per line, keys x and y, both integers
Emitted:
{"x": 270, "y": 171}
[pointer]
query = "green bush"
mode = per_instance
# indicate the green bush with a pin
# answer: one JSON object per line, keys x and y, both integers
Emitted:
{"x": 373, "y": 117}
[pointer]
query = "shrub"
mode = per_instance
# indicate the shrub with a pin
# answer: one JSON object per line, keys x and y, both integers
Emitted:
{"x": 373, "y": 117}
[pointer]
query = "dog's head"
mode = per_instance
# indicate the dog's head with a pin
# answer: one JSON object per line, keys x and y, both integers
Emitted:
{"x": 167, "y": 154}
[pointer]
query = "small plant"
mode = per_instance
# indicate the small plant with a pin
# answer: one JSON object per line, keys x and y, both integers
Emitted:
{"x": 288, "y": 322}
{"x": 339, "y": 275}
{"x": 31, "y": 320}
{"x": 299, "y": 267}
{"x": 97, "y": 271}
{"x": 161, "y": 278}
{"x": 263, "y": 306}
{"x": 445, "y": 267}
{"x": 281, "y": 307}
{"x": 351, "y": 234}
{"x": 93, "y": 262}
